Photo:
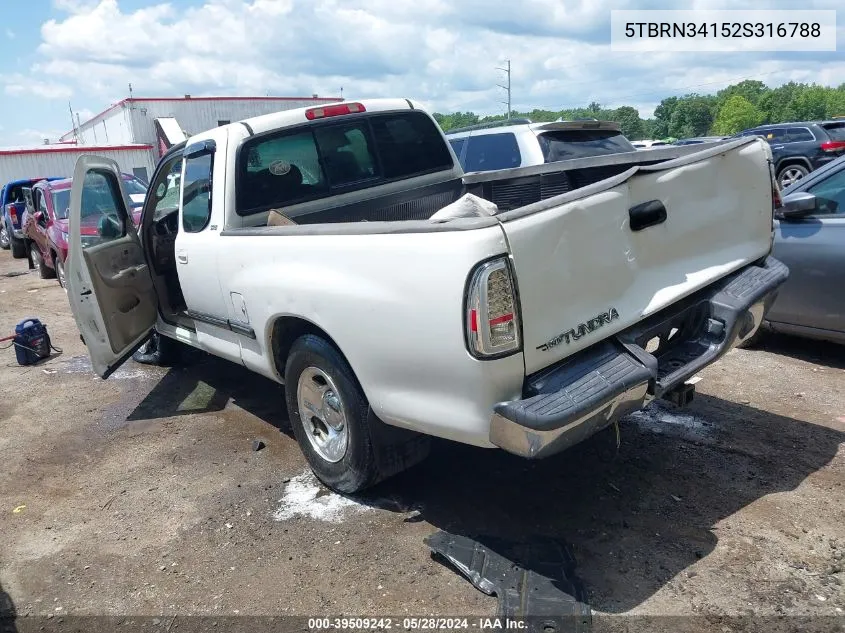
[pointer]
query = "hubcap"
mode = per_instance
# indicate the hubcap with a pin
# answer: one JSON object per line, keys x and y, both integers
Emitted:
{"x": 4, "y": 236}
{"x": 790, "y": 176}
{"x": 60, "y": 272}
{"x": 322, "y": 414}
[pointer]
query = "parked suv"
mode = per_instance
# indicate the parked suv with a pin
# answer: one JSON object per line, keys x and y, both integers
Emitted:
{"x": 45, "y": 222}
{"x": 799, "y": 148}
{"x": 12, "y": 206}
{"x": 500, "y": 145}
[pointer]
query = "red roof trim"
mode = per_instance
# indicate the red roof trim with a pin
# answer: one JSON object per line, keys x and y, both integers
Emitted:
{"x": 79, "y": 149}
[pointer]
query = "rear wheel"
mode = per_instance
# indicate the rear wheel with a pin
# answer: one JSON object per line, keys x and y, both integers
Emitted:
{"x": 347, "y": 447}
{"x": 791, "y": 174}
{"x": 5, "y": 242}
{"x": 18, "y": 247}
{"x": 44, "y": 271}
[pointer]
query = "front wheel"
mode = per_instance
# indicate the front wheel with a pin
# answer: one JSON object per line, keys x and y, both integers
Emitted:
{"x": 347, "y": 447}
{"x": 44, "y": 271}
{"x": 60, "y": 271}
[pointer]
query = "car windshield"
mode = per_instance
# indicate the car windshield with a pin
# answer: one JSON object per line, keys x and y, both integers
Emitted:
{"x": 134, "y": 186}
{"x": 61, "y": 203}
{"x": 563, "y": 145}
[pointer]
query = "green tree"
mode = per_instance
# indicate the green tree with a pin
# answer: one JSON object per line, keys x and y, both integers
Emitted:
{"x": 737, "y": 114}
{"x": 663, "y": 116}
{"x": 630, "y": 122}
{"x": 810, "y": 103}
{"x": 836, "y": 102}
{"x": 692, "y": 116}
{"x": 751, "y": 89}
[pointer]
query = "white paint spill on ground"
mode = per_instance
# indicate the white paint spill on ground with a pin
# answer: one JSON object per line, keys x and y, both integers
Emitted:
{"x": 82, "y": 365}
{"x": 660, "y": 419}
{"x": 305, "y": 496}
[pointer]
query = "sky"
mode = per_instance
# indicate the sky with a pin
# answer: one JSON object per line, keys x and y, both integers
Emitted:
{"x": 58, "y": 55}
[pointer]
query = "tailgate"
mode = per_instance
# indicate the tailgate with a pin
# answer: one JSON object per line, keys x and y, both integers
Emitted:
{"x": 585, "y": 270}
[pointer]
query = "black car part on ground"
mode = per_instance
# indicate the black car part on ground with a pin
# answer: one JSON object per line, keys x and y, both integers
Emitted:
{"x": 534, "y": 580}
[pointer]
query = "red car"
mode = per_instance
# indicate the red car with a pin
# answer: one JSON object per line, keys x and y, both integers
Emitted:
{"x": 45, "y": 222}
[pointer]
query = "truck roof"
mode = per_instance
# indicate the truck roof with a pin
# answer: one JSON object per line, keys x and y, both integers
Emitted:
{"x": 287, "y": 118}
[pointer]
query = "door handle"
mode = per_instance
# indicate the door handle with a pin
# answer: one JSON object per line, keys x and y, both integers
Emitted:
{"x": 777, "y": 146}
{"x": 182, "y": 257}
{"x": 646, "y": 214}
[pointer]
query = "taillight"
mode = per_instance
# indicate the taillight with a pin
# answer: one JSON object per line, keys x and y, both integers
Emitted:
{"x": 13, "y": 213}
{"x": 334, "y": 110}
{"x": 492, "y": 318}
{"x": 833, "y": 146}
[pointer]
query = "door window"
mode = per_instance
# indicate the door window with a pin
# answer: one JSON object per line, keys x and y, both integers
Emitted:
{"x": 775, "y": 135}
{"x": 798, "y": 135}
{"x": 165, "y": 190}
{"x": 830, "y": 195}
{"x": 196, "y": 193}
{"x": 103, "y": 216}
{"x": 41, "y": 206}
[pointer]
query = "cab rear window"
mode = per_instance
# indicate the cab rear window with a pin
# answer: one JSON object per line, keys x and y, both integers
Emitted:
{"x": 565, "y": 145}
{"x": 309, "y": 163}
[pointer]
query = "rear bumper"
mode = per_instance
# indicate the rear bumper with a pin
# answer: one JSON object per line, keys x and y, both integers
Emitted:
{"x": 568, "y": 402}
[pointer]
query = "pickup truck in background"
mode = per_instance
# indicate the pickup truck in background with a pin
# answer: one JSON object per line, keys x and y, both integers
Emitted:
{"x": 341, "y": 251}
{"x": 12, "y": 207}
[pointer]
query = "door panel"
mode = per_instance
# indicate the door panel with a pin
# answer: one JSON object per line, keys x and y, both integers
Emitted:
{"x": 110, "y": 287}
{"x": 814, "y": 251}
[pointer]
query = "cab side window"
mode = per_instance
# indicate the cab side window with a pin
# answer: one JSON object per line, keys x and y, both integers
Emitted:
{"x": 196, "y": 193}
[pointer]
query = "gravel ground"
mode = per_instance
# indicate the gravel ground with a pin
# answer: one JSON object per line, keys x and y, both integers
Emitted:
{"x": 141, "y": 495}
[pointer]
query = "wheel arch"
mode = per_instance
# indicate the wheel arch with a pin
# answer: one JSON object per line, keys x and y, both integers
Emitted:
{"x": 793, "y": 160}
{"x": 284, "y": 330}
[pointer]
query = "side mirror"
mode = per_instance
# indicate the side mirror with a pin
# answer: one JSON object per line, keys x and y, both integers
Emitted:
{"x": 797, "y": 205}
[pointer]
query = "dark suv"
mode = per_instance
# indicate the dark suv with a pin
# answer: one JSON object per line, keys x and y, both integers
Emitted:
{"x": 799, "y": 148}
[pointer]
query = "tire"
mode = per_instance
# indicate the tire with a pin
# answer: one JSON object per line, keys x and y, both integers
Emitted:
{"x": 790, "y": 174}
{"x": 44, "y": 271}
{"x": 159, "y": 350}
{"x": 371, "y": 450}
{"x": 5, "y": 240}
{"x": 18, "y": 247}
{"x": 755, "y": 339}
{"x": 60, "y": 271}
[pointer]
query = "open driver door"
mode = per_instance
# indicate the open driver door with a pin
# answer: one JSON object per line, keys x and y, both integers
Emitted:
{"x": 110, "y": 287}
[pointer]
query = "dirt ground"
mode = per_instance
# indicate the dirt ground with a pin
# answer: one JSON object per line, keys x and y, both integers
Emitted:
{"x": 141, "y": 495}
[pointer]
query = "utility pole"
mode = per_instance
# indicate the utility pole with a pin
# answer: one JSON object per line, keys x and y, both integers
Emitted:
{"x": 72, "y": 122}
{"x": 508, "y": 87}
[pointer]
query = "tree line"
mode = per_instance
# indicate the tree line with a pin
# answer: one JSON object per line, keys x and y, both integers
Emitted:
{"x": 731, "y": 110}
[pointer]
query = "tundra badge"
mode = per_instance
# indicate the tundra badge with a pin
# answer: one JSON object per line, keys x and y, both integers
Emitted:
{"x": 580, "y": 330}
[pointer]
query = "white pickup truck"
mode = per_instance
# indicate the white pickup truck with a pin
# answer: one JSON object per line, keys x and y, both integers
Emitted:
{"x": 341, "y": 252}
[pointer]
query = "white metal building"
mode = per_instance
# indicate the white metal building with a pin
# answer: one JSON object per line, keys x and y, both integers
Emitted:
{"x": 58, "y": 160}
{"x": 136, "y": 131}
{"x": 133, "y": 120}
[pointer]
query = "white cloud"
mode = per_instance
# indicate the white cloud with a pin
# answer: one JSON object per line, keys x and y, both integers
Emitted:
{"x": 441, "y": 52}
{"x": 19, "y": 85}
{"x": 10, "y": 34}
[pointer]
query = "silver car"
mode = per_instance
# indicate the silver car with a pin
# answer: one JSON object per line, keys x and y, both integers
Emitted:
{"x": 810, "y": 240}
